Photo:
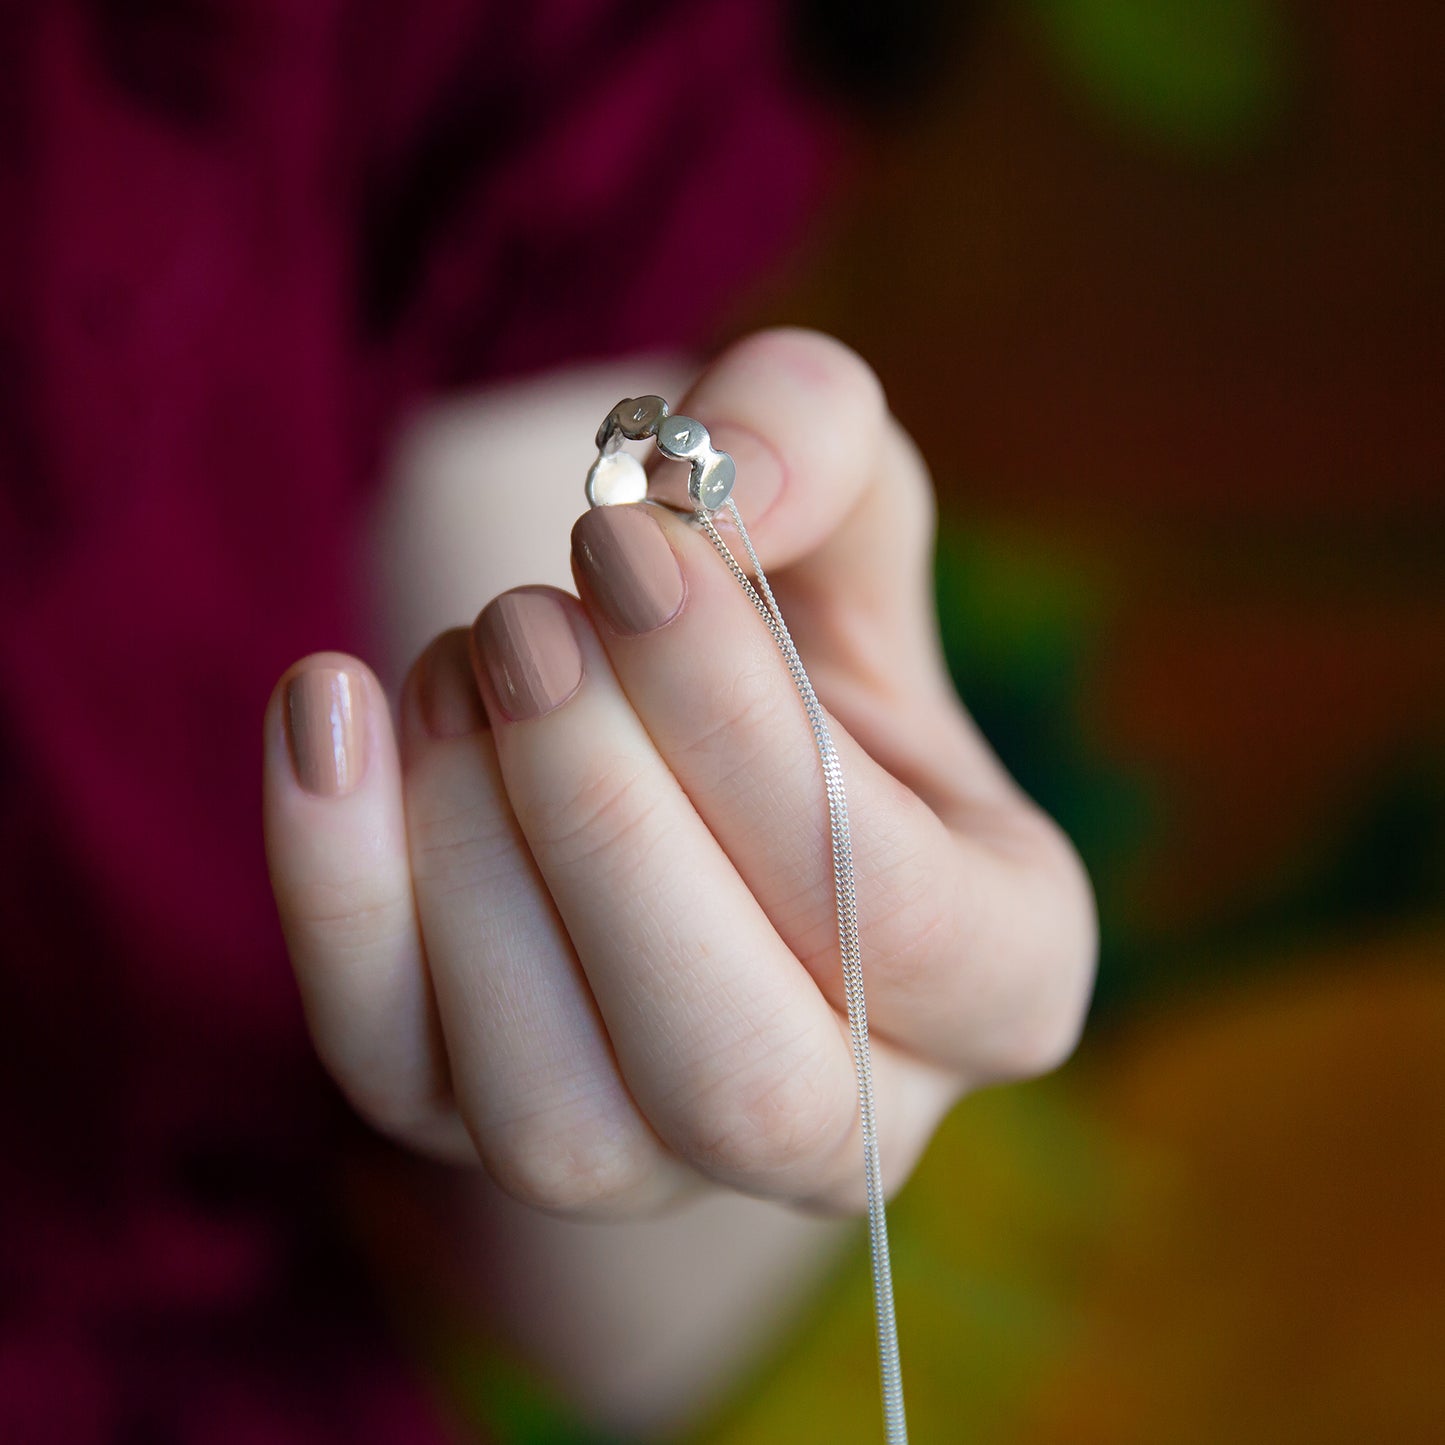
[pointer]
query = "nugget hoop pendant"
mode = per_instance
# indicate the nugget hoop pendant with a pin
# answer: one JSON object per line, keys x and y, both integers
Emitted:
{"x": 617, "y": 477}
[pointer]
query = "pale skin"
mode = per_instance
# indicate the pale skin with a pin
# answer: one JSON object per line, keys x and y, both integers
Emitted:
{"x": 588, "y": 957}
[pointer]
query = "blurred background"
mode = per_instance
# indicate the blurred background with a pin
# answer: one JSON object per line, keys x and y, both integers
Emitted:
{"x": 1159, "y": 286}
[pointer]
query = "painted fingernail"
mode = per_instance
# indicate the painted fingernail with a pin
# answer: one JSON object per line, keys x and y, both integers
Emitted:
{"x": 451, "y": 707}
{"x": 326, "y": 729}
{"x": 629, "y": 567}
{"x": 532, "y": 660}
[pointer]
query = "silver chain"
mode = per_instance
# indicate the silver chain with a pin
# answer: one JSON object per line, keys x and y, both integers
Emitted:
{"x": 610, "y": 480}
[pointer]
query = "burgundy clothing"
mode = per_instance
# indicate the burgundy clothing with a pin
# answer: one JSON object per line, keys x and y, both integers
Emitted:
{"x": 237, "y": 237}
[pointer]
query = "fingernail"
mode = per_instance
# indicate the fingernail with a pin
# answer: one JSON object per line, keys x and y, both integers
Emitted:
{"x": 532, "y": 660}
{"x": 629, "y": 567}
{"x": 447, "y": 693}
{"x": 326, "y": 730}
{"x": 760, "y": 469}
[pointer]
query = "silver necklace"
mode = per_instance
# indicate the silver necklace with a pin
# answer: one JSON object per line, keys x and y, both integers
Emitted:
{"x": 616, "y": 478}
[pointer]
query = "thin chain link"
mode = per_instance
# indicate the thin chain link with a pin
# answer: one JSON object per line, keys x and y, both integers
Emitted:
{"x": 761, "y": 596}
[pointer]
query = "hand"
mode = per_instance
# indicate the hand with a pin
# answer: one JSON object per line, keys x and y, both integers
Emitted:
{"x": 577, "y": 921}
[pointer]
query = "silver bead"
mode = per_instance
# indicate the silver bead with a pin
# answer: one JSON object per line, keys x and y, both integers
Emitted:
{"x": 639, "y": 417}
{"x": 711, "y": 481}
{"x": 615, "y": 479}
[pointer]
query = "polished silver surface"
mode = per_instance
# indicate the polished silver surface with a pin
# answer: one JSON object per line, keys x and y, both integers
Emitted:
{"x": 634, "y": 417}
{"x": 683, "y": 438}
{"x": 615, "y": 479}
{"x": 711, "y": 473}
{"x": 710, "y": 483}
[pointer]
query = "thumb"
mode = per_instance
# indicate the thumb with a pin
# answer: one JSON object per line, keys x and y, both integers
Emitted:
{"x": 834, "y": 495}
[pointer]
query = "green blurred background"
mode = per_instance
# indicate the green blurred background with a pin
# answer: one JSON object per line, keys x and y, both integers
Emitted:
{"x": 1159, "y": 286}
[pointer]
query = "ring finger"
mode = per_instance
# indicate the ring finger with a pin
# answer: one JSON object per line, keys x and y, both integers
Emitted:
{"x": 532, "y": 1071}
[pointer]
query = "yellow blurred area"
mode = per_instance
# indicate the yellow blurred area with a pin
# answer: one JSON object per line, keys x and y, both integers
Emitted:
{"x": 1223, "y": 1226}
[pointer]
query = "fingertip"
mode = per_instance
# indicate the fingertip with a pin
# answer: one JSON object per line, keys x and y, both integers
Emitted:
{"x": 321, "y": 726}
{"x": 812, "y": 359}
{"x": 439, "y": 699}
{"x": 526, "y": 650}
{"x": 804, "y": 418}
{"x": 335, "y": 839}
{"x": 344, "y": 661}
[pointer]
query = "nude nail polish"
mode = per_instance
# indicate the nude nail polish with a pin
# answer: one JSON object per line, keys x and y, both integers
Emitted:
{"x": 326, "y": 730}
{"x": 529, "y": 653}
{"x": 628, "y": 567}
{"x": 447, "y": 689}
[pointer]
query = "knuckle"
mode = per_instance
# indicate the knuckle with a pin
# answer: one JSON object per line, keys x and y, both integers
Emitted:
{"x": 913, "y": 919}
{"x": 1040, "y": 1045}
{"x": 591, "y": 818}
{"x": 728, "y": 734}
{"x": 578, "y": 1169}
{"x": 406, "y": 1104}
{"x": 349, "y": 913}
{"x": 779, "y": 1123}
{"x": 460, "y": 848}
{"x": 1060, "y": 985}
{"x": 398, "y": 1116}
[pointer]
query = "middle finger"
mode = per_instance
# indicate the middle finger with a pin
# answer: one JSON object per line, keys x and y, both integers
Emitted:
{"x": 727, "y": 1045}
{"x": 708, "y": 682}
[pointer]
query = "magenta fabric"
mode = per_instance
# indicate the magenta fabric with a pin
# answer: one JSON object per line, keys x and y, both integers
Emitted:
{"x": 236, "y": 239}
